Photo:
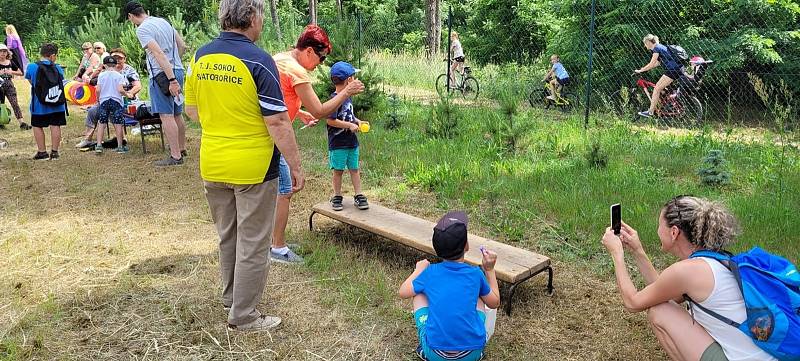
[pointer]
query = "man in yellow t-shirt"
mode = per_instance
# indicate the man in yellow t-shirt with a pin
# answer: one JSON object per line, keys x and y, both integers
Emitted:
{"x": 232, "y": 88}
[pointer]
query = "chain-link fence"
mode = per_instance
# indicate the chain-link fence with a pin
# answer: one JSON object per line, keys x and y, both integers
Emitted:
{"x": 739, "y": 57}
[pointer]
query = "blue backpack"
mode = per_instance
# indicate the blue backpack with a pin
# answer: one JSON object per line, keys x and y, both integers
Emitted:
{"x": 771, "y": 289}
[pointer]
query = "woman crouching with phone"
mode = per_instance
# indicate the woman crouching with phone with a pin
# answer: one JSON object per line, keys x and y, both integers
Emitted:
{"x": 687, "y": 224}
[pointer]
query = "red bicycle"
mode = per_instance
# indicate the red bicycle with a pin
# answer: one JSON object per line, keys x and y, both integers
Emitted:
{"x": 677, "y": 101}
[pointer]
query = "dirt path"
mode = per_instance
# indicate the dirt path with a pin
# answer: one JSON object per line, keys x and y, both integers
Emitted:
{"x": 108, "y": 258}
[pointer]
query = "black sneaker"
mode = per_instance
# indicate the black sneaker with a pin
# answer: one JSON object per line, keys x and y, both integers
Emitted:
{"x": 24, "y": 126}
{"x": 184, "y": 153}
{"x": 360, "y": 201}
{"x": 169, "y": 161}
{"x": 41, "y": 156}
{"x": 336, "y": 203}
{"x": 53, "y": 155}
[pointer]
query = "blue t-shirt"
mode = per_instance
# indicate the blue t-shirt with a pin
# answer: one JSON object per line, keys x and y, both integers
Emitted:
{"x": 560, "y": 71}
{"x": 666, "y": 58}
{"x": 37, "y": 108}
{"x": 339, "y": 138}
{"x": 453, "y": 289}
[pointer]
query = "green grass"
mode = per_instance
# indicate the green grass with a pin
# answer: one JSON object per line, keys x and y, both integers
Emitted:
{"x": 545, "y": 196}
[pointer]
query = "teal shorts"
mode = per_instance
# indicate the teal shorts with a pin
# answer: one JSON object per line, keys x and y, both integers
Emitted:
{"x": 421, "y": 318}
{"x": 341, "y": 159}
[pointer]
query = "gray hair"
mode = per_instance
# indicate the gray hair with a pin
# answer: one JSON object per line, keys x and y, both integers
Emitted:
{"x": 237, "y": 14}
{"x": 706, "y": 224}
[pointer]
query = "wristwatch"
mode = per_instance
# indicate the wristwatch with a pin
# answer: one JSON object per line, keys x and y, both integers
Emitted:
{"x": 172, "y": 80}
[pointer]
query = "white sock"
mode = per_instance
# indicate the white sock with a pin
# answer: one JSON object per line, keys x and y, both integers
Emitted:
{"x": 281, "y": 251}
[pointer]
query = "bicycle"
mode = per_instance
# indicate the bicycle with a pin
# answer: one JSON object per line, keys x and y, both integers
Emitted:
{"x": 566, "y": 100}
{"x": 677, "y": 101}
{"x": 468, "y": 86}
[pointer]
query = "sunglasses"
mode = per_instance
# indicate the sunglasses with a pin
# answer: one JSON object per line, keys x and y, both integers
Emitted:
{"x": 86, "y": 48}
{"x": 320, "y": 56}
{"x": 118, "y": 57}
{"x": 97, "y": 48}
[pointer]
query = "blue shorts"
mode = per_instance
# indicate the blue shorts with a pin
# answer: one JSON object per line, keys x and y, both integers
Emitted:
{"x": 420, "y": 318}
{"x": 110, "y": 110}
{"x": 161, "y": 103}
{"x": 341, "y": 159}
{"x": 284, "y": 178}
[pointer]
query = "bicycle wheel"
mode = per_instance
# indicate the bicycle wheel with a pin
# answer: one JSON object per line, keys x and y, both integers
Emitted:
{"x": 441, "y": 84}
{"x": 692, "y": 112}
{"x": 570, "y": 102}
{"x": 470, "y": 88}
{"x": 538, "y": 98}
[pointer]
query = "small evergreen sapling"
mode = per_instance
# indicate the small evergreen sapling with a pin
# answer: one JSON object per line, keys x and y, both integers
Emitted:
{"x": 714, "y": 170}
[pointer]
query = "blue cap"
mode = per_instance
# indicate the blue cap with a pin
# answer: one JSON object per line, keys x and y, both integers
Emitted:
{"x": 343, "y": 70}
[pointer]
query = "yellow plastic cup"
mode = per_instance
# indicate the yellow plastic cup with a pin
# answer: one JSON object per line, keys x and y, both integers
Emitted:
{"x": 364, "y": 127}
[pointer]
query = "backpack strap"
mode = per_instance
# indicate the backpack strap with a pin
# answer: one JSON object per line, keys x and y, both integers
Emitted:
{"x": 724, "y": 258}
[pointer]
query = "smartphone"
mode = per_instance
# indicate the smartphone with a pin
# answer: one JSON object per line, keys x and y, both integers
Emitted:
{"x": 616, "y": 218}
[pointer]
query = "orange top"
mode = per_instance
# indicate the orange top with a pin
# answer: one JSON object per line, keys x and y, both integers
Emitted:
{"x": 292, "y": 74}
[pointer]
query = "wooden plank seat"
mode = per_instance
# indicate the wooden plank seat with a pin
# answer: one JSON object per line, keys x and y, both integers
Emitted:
{"x": 514, "y": 265}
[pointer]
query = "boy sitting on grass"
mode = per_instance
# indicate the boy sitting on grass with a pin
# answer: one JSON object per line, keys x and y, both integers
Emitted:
{"x": 110, "y": 90}
{"x": 449, "y": 297}
{"x": 342, "y": 140}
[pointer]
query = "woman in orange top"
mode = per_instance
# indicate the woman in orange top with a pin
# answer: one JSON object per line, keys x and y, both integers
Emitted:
{"x": 312, "y": 47}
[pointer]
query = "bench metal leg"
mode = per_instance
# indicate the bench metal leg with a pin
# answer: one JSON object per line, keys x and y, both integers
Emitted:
{"x": 311, "y": 221}
{"x": 509, "y": 296}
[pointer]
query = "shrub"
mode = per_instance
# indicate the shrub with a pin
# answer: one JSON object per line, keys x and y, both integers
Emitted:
{"x": 443, "y": 121}
{"x": 714, "y": 170}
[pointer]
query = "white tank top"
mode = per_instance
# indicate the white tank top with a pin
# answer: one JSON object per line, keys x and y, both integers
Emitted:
{"x": 726, "y": 299}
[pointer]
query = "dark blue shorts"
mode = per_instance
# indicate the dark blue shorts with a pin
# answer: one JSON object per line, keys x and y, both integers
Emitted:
{"x": 110, "y": 110}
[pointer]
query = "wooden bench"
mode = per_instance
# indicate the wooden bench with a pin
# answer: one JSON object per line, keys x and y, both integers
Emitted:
{"x": 514, "y": 265}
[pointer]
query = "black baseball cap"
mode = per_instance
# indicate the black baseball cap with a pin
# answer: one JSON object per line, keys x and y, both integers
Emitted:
{"x": 450, "y": 235}
{"x": 130, "y": 8}
{"x": 109, "y": 60}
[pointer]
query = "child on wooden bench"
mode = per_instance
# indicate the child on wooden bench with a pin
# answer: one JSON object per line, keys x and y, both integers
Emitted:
{"x": 451, "y": 297}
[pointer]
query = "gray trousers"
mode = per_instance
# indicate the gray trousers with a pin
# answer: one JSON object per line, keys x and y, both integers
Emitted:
{"x": 244, "y": 216}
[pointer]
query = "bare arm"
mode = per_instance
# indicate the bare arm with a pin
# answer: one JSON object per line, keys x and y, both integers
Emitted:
{"x": 336, "y": 123}
{"x": 280, "y": 128}
{"x": 120, "y": 89}
{"x": 652, "y": 64}
{"x": 317, "y": 108}
{"x": 137, "y": 87}
{"x": 492, "y": 300}
{"x": 181, "y": 44}
{"x": 407, "y": 288}
{"x": 670, "y": 285}
{"x": 630, "y": 239}
{"x": 13, "y": 72}
{"x": 161, "y": 58}
{"x": 191, "y": 111}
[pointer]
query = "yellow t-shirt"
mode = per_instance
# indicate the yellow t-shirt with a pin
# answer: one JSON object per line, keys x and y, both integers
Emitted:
{"x": 234, "y": 84}
{"x": 292, "y": 74}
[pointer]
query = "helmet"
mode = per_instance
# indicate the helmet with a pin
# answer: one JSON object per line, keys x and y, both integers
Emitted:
{"x": 696, "y": 60}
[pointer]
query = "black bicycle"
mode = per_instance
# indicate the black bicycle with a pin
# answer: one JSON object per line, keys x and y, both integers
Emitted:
{"x": 465, "y": 83}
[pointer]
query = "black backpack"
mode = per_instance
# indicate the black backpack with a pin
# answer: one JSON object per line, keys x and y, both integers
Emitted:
{"x": 679, "y": 54}
{"x": 49, "y": 87}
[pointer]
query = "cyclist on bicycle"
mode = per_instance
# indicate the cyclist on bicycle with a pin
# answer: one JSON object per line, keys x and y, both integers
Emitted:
{"x": 673, "y": 70}
{"x": 560, "y": 80}
{"x": 457, "y": 54}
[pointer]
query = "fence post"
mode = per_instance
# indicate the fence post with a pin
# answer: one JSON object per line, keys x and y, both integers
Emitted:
{"x": 589, "y": 70}
{"x": 449, "y": 32}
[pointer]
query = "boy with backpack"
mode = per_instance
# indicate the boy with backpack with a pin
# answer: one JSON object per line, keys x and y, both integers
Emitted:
{"x": 342, "y": 140}
{"x": 449, "y": 297}
{"x": 110, "y": 90}
{"x": 48, "y": 101}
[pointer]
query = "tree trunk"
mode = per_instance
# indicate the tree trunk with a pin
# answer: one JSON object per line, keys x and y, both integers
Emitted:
{"x": 433, "y": 28}
{"x": 276, "y": 21}
{"x": 312, "y": 11}
{"x": 339, "y": 9}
